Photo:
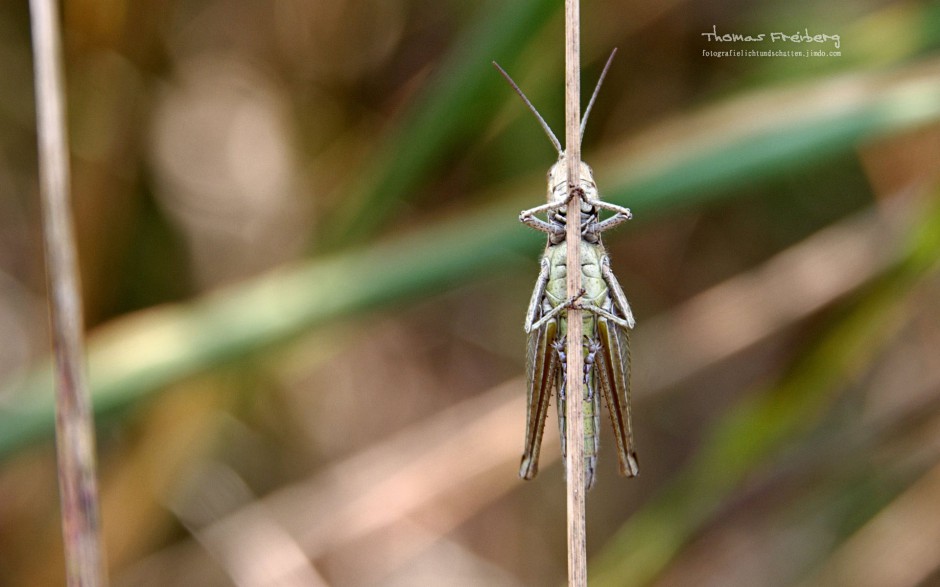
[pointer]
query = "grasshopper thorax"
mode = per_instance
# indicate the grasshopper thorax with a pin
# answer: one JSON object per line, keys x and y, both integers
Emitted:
{"x": 558, "y": 184}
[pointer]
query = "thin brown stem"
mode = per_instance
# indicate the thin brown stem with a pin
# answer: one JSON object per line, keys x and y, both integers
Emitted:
{"x": 75, "y": 440}
{"x": 577, "y": 535}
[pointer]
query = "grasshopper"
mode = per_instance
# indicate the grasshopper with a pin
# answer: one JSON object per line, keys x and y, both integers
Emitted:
{"x": 607, "y": 318}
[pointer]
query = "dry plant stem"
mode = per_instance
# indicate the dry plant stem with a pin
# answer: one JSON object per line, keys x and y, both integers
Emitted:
{"x": 75, "y": 441}
{"x": 577, "y": 535}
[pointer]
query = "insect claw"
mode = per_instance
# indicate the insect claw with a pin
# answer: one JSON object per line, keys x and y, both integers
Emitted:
{"x": 576, "y": 192}
{"x": 573, "y": 300}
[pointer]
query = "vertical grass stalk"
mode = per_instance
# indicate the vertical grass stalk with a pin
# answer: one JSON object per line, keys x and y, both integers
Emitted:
{"x": 577, "y": 535}
{"x": 75, "y": 440}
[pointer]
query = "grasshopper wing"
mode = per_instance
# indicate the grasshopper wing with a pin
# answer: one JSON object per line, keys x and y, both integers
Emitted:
{"x": 541, "y": 369}
{"x": 613, "y": 365}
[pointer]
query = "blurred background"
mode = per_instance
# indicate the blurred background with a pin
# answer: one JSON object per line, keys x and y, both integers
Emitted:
{"x": 305, "y": 284}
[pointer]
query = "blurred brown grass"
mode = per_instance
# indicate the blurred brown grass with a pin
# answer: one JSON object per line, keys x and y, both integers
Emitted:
{"x": 305, "y": 287}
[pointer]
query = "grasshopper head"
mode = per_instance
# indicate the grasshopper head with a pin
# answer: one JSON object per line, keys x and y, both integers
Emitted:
{"x": 558, "y": 184}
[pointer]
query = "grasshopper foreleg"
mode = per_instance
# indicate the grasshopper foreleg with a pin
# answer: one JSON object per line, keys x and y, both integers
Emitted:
{"x": 625, "y": 213}
{"x": 529, "y": 218}
{"x": 620, "y": 216}
{"x": 553, "y": 228}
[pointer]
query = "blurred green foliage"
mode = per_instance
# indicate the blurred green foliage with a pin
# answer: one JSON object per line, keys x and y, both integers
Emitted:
{"x": 403, "y": 154}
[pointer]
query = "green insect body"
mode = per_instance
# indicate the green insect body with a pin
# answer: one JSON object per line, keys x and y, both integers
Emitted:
{"x": 606, "y": 317}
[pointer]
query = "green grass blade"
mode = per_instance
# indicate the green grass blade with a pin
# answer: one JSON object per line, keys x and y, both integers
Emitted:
{"x": 462, "y": 100}
{"x": 763, "y": 135}
{"x": 142, "y": 353}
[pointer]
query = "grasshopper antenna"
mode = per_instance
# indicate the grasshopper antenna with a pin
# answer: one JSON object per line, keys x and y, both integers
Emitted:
{"x": 545, "y": 127}
{"x": 597, "y": 89}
